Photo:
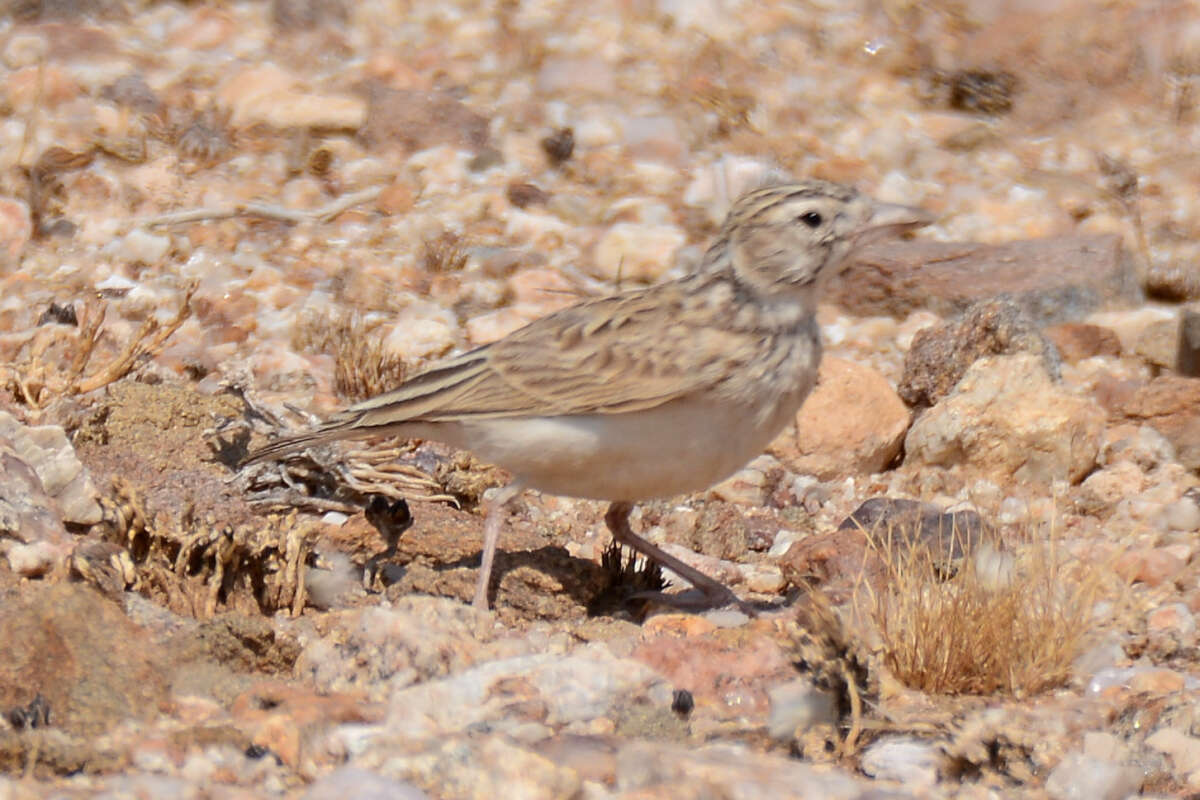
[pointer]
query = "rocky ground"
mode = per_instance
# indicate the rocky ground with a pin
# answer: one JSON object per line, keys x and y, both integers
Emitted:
{"x": 976, "y": 550}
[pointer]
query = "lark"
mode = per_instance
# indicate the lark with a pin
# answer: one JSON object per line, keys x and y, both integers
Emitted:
{"x": 649, "y": 393}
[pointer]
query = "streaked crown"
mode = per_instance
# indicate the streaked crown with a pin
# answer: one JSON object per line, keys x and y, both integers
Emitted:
{"x": 784, "y": 238}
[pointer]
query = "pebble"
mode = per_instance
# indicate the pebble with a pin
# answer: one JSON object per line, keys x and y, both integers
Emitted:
{"x": 1080, "y": 777}
{"x": 634, "y": 252}
{"x": 47, "y": 450}
{"x": 797, "y": 706}
{"x": 578, "y": 687}
{"x": 350, "y": 781}
{"x": 139, "y": 246}
{"x": 268, "y": 94}
{"x": 1183, "y": 515}
{"x": 1183, "y": 749}
{"x": 16, "y": 228}
{"x": 422, "y": 331}
{"x": 912, "y": 762}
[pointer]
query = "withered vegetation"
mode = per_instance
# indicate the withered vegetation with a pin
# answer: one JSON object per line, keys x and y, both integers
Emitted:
{"x": 54, "y": 361}
{"x": 194, "y": 567}
{"x": 363, "y": 367}
{"x": 989, "y": 625}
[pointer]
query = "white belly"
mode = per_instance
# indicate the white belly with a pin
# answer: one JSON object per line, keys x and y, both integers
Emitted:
{"x": 676, "y": 448}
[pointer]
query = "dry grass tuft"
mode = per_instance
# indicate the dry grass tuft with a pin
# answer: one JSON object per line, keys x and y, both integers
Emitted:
{"x": 443, "y": 253}
{"x": 980, "y": 630}
{"x": 362, "y": 366}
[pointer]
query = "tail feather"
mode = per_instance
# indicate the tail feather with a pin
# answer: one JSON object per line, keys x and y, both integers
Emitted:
{"x": 331, "y": 431}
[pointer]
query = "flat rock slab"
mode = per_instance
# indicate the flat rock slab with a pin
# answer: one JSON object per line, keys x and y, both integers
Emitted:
{"x": 1055, "y": 280}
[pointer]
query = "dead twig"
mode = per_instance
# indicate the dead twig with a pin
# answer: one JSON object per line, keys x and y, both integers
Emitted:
{"x": 265, "y": 211}
{"x": 148, "y": 341}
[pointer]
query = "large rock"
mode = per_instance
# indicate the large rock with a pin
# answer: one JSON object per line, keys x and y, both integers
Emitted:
{"x": 1054, "y": 280}
{"x": 940, "y": 355}
{"x": 63, "y": 477}
{"x": 32, "y": 536}
{"x": 853, "y": 423}
{"x": 1171, "y": 405}
{"x": 1007, "y": 419}
{"x": 79, "y": 651}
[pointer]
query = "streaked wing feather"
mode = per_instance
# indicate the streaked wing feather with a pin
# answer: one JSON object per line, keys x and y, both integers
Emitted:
{"x": 610, "y": 355}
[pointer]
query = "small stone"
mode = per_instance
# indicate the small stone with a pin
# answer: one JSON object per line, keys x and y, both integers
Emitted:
{"x": 1187, "y": 361}
{"x": 269, "y": 95}
{"x": 1100, "y": 493}
{"x": 397, "y": 198}
{"x": 1174, "y": 618}
{"x": 16, "y": 228}
{"x": 1156, "y": 681}
{"x": 1183, "y": 515}
{"x": 853, "y": 423}
{"x": 576, "y": 75}
{"x": 46, "y": 449}
{"x": 559, "y": 146}
{"x": 1076, "y": 341}
{"x": 633, "y": 252}
{"x": 1171, "y": 404}
{"x": 1184, "y": 750}
{"x": 356, "y": 782}
{"x": 1158, "y": 343}
{"x": 750, "y": 485}
{"x": 1006, "y": 419}
{"x": 1104, "y": 746}
{"x": 1151, "y": 566}
{"x": 24, "y": 50}
{"x": 893, "y": 522}
{"x": 909, "y": 761}
{"x": 797, "y": 706}
{"x": 495, "y": 325}
{"x": 1080, "y": 777}
{"x": 422, "y": 331}
{"x": 763, "y": 578}
{"x": 139, "y": 246}
{"x": 1139, "y": 444}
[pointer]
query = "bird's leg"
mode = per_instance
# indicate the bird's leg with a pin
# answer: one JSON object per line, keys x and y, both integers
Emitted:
{"x": 491, "y": 536}
{"x": 617, "y": 519}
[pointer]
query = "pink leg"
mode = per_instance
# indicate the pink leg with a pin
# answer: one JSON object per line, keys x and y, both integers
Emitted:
{"x": 617, "y": 519}
{"x": 491, "y": 536}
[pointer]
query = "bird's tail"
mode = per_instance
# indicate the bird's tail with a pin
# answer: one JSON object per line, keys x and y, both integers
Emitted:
{"x": 343, "y": 426}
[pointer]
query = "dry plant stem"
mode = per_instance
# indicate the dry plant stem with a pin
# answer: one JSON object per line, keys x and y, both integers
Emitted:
{"x": 265, "y": 211}
{"x": 137, "y": 348}
{"x": 89, "y": 333}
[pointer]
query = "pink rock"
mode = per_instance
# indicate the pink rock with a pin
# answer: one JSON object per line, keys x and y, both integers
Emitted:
{"x": 1151, "y": 566}
{"x": 16, "y": 228}
{"x": 853, "y": 423}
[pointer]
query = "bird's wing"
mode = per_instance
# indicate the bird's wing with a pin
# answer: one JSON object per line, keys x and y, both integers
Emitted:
{"x": 616, "y": 354}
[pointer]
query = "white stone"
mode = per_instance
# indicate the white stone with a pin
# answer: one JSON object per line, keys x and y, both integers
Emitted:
{"x": 798, "y": 705}
{"x": 140, "y": 246}
{"x": 1078, "y": 777}
{"x": 636, "y": 252}
{"x": 1182, "y": 515}
{"x": 903, "y": 759}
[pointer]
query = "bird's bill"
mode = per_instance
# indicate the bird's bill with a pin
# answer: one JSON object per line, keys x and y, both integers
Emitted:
{"x": 891, "y": 219}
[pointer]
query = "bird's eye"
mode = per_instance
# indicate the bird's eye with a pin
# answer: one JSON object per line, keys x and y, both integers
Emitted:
{"x": 810, "y": 218}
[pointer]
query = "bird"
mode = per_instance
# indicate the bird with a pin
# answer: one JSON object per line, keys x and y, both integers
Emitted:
{"x": 647, "y": 393}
